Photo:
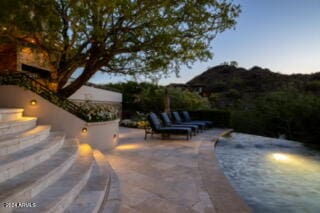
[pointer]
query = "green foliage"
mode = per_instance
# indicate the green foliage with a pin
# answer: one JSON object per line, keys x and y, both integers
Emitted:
{"x": 213, "y": 99}
{"x": 139, "y": 120}
{"x": 295, "y": 114}
{"x": 151, "y": 99}
{"x": 231, "y": 63}
{"x": 266, "y": 103}
{"x": 252, "y": 82}
{"x": 313, "y": 86}
{"x": 233, "y": 94}
{"x": 219, "y": 86}
{"x": 146, "y": 97}
{"x": 229, "y": 99}
{"x": 97, "y": 112}
{"x": 142, "y": 124}
{"x": 220, "y": 118}
{"x": 124, "y": 37}
{"x": 142, "y": 97}
{"x": 186, "y": 100}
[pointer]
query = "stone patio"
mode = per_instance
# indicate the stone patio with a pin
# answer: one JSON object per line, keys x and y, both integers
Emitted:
{"x": 164, "y": 175}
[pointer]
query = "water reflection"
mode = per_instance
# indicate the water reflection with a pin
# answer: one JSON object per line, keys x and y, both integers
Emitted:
{"x": 272, "y": 175}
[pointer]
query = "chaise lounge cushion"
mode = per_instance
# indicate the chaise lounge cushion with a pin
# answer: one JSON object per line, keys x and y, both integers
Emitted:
{"x": 168, "y": 123}
{"x": 178, "y": 119}
{"x": 187, "y": 118}
{"x": 158, "y": 128}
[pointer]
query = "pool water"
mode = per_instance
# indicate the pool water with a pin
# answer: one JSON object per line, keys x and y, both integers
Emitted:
{"x": 271, "y": 175}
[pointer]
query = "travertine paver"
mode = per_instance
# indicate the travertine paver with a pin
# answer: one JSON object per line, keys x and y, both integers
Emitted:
{"x": 160, "y": 175}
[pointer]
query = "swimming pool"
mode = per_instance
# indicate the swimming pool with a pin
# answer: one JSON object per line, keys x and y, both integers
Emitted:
{"x": 271, "y": 175}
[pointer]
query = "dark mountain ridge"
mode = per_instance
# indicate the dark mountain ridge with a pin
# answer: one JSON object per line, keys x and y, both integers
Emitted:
{"x": 225, "y": 77}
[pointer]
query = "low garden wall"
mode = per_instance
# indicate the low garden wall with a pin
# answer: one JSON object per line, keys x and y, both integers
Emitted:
{"x": 101, "y": 135}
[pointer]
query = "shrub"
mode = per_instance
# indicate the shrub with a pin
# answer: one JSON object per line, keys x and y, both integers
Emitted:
{"x": 292, "y": 113}
{"x": 99, "y": 112}
{"x": 147, "y": 97}
{"x": 186, "y": 100}
{"x": 220, "y": 118}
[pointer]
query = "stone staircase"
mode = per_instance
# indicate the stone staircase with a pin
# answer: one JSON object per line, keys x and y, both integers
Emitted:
{"x": 42, "y": 171}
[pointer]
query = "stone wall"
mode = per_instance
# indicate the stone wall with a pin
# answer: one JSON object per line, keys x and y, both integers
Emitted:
{"x": 8, "y": 58}
{"x": 12, "y": 57}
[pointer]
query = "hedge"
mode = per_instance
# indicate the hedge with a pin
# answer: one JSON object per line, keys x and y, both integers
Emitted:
{"x": 219, "y": 117}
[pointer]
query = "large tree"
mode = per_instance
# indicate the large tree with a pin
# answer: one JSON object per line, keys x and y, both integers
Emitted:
{"x": 130, "y": 37}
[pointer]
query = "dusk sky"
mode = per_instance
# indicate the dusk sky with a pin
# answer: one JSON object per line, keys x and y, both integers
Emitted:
{"x": 282, "y": 35}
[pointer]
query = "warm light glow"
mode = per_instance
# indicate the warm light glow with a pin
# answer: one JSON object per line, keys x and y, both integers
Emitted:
{"x": 32, "y": 40}
{"x": 85, "y": 149}
{"x": 53, "y": 86}
{"x": 26, "y": 50}
{"x": 127, "y": 147}
{"x": 33, "y": 102}
{"x": 280, "y": 157}
{"x": 99, "y": 156}
{"x": 289, "y": 161}
{"x": 84, "y": 130}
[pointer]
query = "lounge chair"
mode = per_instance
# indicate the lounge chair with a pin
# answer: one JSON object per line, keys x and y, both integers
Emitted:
{"x": 178, "y": 120}
{"x": 157, "y": 128}
{"x": 167, "y": 122}
{"x": 187, "y": 118}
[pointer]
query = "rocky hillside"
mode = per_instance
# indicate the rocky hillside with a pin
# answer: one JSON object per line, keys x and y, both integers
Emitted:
{"x": 255, "y": 80}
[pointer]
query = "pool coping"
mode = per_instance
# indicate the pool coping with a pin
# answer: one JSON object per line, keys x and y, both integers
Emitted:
{"x": 223, "y": 196}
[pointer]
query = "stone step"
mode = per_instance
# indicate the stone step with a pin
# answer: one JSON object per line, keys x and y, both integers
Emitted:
{"x": 112, "y": 199}
{"x": 27, "y": 185}
{"x": 91, "y": 198}
{"x": 58, "y": 196}
{"x": 18, "y": 162}
{"x": 10, "y": 114}
{"x": 15, "y": 142}
{"x": 16, "y": 126}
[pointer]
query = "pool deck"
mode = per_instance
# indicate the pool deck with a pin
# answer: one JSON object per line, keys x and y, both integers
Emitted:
{"x": 173, "y": 175}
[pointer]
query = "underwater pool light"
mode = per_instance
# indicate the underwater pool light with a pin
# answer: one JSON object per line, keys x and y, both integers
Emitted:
{"x": 280, "y": 157}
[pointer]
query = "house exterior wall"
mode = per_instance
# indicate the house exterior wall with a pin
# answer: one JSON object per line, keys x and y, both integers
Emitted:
{"x": 96, "y": 95}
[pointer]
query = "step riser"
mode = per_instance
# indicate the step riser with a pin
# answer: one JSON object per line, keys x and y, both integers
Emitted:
{"x": 10, "y": 116}
{"x": 17, "y": 167}
{"x": 109, "y": 203}
{"x": 17, "y": 127}
{"x": 17, "y": 144}
{"x": 101, "y": 199}
{"x": 91, "y": 198}
{"x": 69, "y": 197}
{"x": 32, "y": 190}
{"x": 58, "y": 196}
{"x": 41, "y": 167}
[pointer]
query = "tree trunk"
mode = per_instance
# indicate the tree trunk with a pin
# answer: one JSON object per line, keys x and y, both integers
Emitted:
{"x": 166, "y": 100}
{"x": 76, "y": 84}
{"x": 63, "y": 79}
{"x": 91, "y": 67}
